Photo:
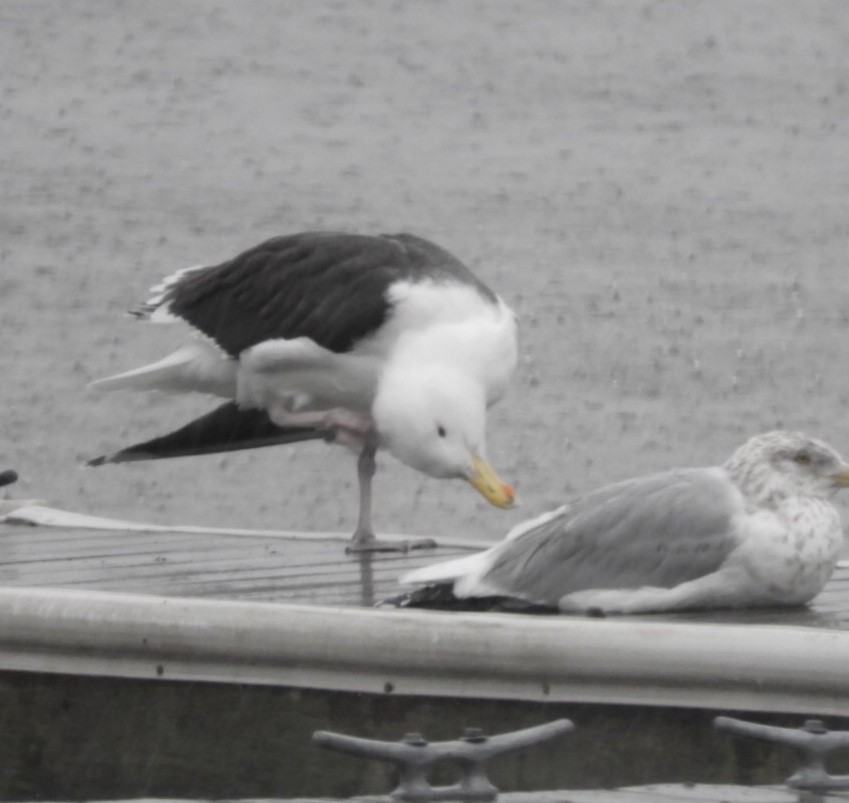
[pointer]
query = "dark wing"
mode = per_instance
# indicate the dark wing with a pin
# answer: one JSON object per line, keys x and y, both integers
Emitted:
{"x": 227, "y": 428}
{"x": 441, "y": 598}
{"x": 327, "y": 286}
{"x": 654, "y": 531}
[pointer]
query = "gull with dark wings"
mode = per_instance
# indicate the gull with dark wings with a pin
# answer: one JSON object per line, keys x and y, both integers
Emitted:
{"x": 760, "y": 530}
{"x": 367, "y": 341}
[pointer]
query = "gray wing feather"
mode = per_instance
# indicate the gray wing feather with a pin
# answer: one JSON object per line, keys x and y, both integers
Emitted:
{"x": 657, "y": 531}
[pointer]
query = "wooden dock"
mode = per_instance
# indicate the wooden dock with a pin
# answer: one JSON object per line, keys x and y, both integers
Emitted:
{"x": 293, "y": 609}
{"x": 46, "y": 548}
{"x": 72, "y": 551}
{"x": 232, "y": 646}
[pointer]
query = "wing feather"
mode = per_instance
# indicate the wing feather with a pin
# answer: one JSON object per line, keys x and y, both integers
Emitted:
{"x": 654, "y": 531}
{"x": 329, "y": 287}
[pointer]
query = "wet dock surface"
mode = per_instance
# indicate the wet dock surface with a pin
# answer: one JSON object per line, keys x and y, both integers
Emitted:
{"x": 196, "y": 663}
{"x": 219, "y": 565}
{"x": 271, "y": 567}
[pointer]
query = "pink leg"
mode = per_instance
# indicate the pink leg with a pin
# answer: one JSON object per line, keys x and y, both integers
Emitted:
{"x": 353, "y": 430}
{"x": 364, "y": 534}
{"x": 364, "y": 539}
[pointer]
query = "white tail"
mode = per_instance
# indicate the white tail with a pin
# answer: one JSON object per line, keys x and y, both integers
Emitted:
{"x": 200, "y": 367}
{"x": 446, "y": 572}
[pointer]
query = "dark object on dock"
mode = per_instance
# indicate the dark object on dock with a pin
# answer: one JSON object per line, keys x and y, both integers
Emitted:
{"x": 8, "y": 476}
{"x": 413, "y": 756}
{"x": 227, "y": 428}
{"x": 441, "y": 597}
{"x": 813, "y": 742}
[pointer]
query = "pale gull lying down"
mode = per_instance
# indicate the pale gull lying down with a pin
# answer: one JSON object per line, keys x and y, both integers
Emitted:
{"x": 758, "y": 531}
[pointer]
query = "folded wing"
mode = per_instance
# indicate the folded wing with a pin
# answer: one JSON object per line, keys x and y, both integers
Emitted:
{"x": 656, "y": 531}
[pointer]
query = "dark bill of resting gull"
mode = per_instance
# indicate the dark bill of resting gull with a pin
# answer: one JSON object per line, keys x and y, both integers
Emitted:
{"x": 758, "y": 531}
{"x": 366, "y": 341}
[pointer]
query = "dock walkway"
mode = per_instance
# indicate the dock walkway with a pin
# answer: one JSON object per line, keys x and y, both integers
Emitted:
{"x": 216, "y": 653}
{"x": 97, "y": 596}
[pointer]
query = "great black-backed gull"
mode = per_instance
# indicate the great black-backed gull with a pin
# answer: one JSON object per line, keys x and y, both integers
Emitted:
{"x": 368, "y": 341}
{"x": 758, "y": 531}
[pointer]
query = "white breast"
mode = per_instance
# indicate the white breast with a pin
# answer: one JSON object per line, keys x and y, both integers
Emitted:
{"x": 453, "y": 325}
{"x": 790, "y": 553}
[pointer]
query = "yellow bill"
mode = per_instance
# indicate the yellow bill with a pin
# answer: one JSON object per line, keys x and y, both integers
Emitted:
{"x": 489, "y": 484}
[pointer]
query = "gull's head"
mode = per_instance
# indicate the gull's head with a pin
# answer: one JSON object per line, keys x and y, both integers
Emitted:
{"x": 778, "y": 465}
{"x": 435, "y": 422}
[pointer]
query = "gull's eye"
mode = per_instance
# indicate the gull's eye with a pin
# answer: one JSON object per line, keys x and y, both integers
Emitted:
{"x": 440, "y": 430}
{"x": 802, "y": 458}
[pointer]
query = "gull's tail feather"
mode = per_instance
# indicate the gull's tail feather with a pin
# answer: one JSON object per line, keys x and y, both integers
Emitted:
{"x": 445, "y": 572}
{"x": 199, "y": 367}
{"x": 442, "y": 598}
{"x": 227, "y": 428}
